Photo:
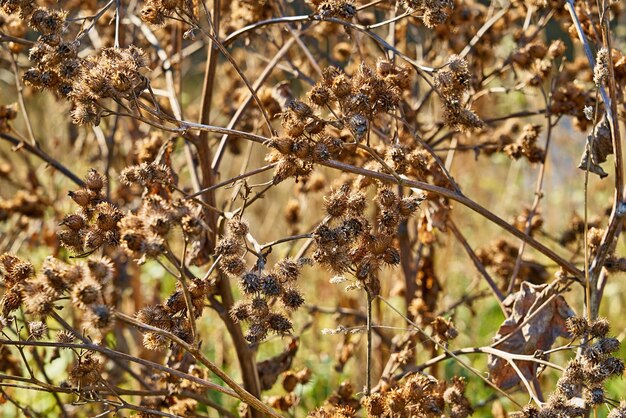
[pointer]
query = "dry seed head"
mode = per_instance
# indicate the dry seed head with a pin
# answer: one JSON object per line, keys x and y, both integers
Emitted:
{"x": 337, "y": 203}
{"x": 65, "y": 337}
{"x": 238, "y": 227}
{"x": 391, "y": 256}
{"x": 284, "y": 144}
{"x": 192, "y": 226}
{"x": 599, "y": 328}
{"x": 233, "y": 266}
{"x": 240, "y": 311}
{"x": 11, "y": 301}
{"x": 594, "y": 396}
{"x": 256, "y": 333}
{"x": 259, "y": 308}
{"x": 279, "y": 323}
{"x": 601, "y": 70}
{"x": 341, "y": 86}
{"x": 152, "y": 14}
{"x": 386, "y": 198}
{"x": 153, "y": 246}
{"x": 155, "y": 342}
{"x": 70, "y": 239}
{"x": 83, "y": 197}
{"x": 37, "y": 330}
{"x": 21, "y": 271}
{"x": 300, "y": 109}
{"x": 292, "y": 299}
{"x": 94, "y": 238}
{"x": 86, "y": 293}
{"x": 270, "y": 286}
{"x": 287, "y": 167}
{"x": 374, "y": 405}
{"x": 289, "y": 381}
{"x": 40, "y": 304}
{"x": 86, "y": 370}
{"x": 409, "y": 205}
{"x": 608, "y": 345}
{"x": 107, "y": 216}
{"x": 95, "y": 181}
{"x": 100, "y": 316}
{"x": 230, "y": 247}
{"x": 319, "y": 95}
{"x": 287, "y": 270}
{"x": 578, "y": 326}
{"x": 250, "y": 283}
{"x": 74, "y": 222}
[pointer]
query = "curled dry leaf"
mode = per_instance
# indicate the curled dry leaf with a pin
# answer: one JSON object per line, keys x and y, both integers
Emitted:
{"x": 270, "y": 369}
{"x": 537, "y": 335}
{"x": 600, "y": 146}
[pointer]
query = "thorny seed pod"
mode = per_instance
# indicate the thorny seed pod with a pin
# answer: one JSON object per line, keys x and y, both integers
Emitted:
{"x": 240, "y": 311}
{"x": 300, "y": 109}
{"x": 250, "y": 283}
{"x": 94, "y": 238}
{"x": 155, "y": 342}
{"x": 11, "y": 301}
{"x": 594, "y": 396}
{"x": 286, "y": 167}
{"x": 608, "y": 345}
{"x": 287, "y": 270}
{"x": 65, "y": 337}
{"x": 100, "y": 316}
{"x": 374, "y": 405}
{"x": 85, "y": 293}
{"x": 107, "y": 216}
{"x": 238, "y": 227}
{"x": 599, "y": 328}
{"x": 70, "y": 239}
{"x": 270, "y": 286}
{"x": 233, "y": 266}
{"x": 408, "y": 206}
{"x": 259, "y": 308}
{"x": 83, "y": 197}
{"x": 319, "y": 95}
{"x": 356, "y": 203}
{"x": 279, "y": 323}
{"x": 292, "y": 299}
{"x": 192, "y": 226}
{"x": 37, "y": 330}
{"x": 337, "y": 203}
{"x": 8, "y": 263}
{"x": 391, "y": 256}
{"x": 578, "y": 326}
{"x": 75, "y": 222}
{"x": 86, "y": 371}
{"x": 256, "y": 333}
{"x": 387, "y": 198}
{"x": 230, "y": 247}
{"x": 94, "y": 181}
{"x": 282, "y": 144}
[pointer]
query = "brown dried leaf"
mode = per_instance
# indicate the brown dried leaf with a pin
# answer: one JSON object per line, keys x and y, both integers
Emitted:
{"x": 601, "y": 146}
{"x": 537, "y": 335}
{"x": 270, "y": 369}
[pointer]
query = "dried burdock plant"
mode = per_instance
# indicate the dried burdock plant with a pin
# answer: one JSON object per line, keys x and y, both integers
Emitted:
{"x": 224, "y": 208}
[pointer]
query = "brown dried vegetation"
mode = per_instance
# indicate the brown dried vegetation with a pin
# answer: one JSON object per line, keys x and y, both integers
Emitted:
{"x": 273, "y": 198}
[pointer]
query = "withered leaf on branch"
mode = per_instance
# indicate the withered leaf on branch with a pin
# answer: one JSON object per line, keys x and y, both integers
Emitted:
{"x": 600, "y": 145}
{"x": 270, "y": 369}
{"x": 537, "y": 335}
